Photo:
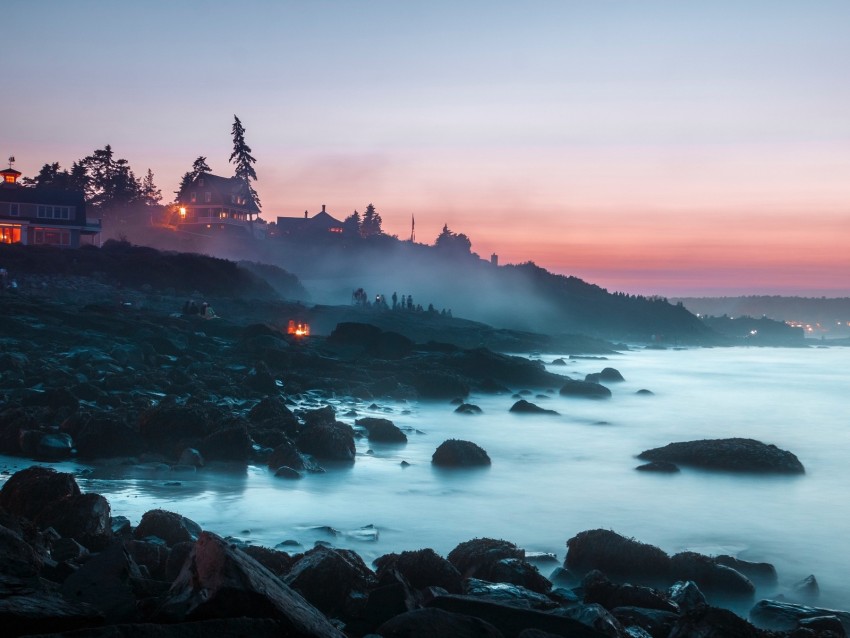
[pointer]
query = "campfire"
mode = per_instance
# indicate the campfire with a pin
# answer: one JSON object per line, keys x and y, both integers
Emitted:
{"x": 298, "y": 329}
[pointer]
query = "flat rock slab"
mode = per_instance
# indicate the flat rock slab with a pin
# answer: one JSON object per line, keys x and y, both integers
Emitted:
{"x": 735, "y": 455}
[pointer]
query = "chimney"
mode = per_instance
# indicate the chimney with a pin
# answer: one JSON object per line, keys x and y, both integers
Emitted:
{"x": 323, "y": 208}
{"x": 305, "y": 214}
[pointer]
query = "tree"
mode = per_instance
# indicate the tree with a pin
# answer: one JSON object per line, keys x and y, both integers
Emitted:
{"x": 151, "y": 195}
{"x": 198, "y": 166}
{"x": 457, "y": 243}
{"x": 351, "y": 225}
{"x": 370, "y": 225}
{"x": 112, "y": 181}
{"x": 242, "y": 158}
{"x": 50, "y": 176}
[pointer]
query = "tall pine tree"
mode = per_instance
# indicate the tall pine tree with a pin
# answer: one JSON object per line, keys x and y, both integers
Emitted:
{"x": 198, "y": 166}
{"x": 242, "y": 158}
{"x": 151, "y": 195}
{"x": 370, "y": 225}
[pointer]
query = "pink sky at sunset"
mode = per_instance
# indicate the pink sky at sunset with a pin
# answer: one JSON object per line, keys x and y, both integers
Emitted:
{"x": 673, "y": 149}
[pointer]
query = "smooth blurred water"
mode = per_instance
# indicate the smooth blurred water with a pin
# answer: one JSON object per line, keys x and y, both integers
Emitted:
{"x": 554, "y": 476}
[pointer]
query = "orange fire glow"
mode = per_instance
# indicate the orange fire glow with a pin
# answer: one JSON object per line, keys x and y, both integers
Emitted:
{"x": 298, "y": 329}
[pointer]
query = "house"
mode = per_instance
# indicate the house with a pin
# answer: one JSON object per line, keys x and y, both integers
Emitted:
{"x": 42, "y": 215}
{"x": 320, "y": 224}
{"x": 214, "y": 204}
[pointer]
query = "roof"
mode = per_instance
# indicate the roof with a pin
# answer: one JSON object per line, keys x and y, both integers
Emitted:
{"x": 28, "y": 195}
{"x": 222, "y": 188}
{"x": 10, "y": 171}
{"x": 318, "y": 222}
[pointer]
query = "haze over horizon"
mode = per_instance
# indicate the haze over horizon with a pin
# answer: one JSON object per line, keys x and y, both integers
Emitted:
{"x": 680, "y": 149}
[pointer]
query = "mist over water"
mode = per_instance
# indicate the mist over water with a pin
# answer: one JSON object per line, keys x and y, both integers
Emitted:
{"x": 554, "y": 476}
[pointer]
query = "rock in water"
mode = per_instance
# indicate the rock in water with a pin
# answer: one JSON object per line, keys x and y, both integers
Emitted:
{"x": 457, "y": 453}
{"x": 573, "y": 388}
{"x": 525, "y": 407}
{"x": 620, "y": 558}
{"x": 382, "y": 430}
{"x": 736, "y": 455}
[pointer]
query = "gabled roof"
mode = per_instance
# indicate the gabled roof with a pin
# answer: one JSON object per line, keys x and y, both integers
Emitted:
{"x": 222, "y": 189}
{"x": 319, "y": 222}
{"x": 28, "y": 195}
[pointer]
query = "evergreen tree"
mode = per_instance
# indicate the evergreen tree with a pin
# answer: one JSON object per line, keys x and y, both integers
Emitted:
{"x": 242, "y": 158}
{"x": 198, "y": 166}
{"x": 151, "y": 195}
{"x": 112, "y": 181}
{"x": 50, "y": 176}
{"x": 370, "y": 225}
{"x": 453, "y": 242}
{"x": 351, "y": 225}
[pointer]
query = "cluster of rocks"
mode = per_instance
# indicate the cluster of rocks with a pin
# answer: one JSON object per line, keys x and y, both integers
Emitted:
{"x": 68, "y": 567}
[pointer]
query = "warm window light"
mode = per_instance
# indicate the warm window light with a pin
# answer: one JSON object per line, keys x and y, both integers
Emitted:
{"x": 182, "y": 211}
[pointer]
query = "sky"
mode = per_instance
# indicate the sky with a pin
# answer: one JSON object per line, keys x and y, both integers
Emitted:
{"x": 677, "y": 148}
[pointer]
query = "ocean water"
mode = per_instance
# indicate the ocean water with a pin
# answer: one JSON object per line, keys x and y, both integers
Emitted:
{"x": 554, "y": 476}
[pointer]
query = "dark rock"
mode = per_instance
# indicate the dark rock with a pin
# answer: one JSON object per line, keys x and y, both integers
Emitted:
{"x": 167, "y": 425}
{"x": 272, "y": 412}
{"x": 169, "y": 526}
{"x": 29, "y": 491}
{"x": 392, "y": 597}
{"x": 17, "y": 556}
{"x": 686, "y": 595}
{"x": 106, "y": 582}
{"x": 823, "y": 624}
{"x": 645, "y": 392}
{"x": 525, "y": 407}
{"x": 598, "y": 589}
{"x": 277, "y": 562}
{"x": 655, "y": 622}
{"x": 287, "y": 472}
{"x": 218, "y": 581}
{"x": 382, "y": 430}
{"x": 178, "y": 555}
{"x": 66, "y": 549}
{"x": 44, "y": 613}
{"x": 320, "y": 416}
{"x": 621, "y": 559}
{"x": 806, "y": 590}
{"x": 468, "y": 408}
{"x": 191, "y": 456}
{"x": 761, "y": 574}
{"x": 287, "y": 455}
{"x": 153, "y": 556}
{"x": 457, "y": 453}
{"x": 54, "y": 445}
{"x": 737, "y": 455}
{"x": 335, "y": 581}
{"x": 716, "y": 581}
{"x": 558, "y": 362}
{"x": 104, "y": 435}
{"x": 574, "y": 388}
{"x": 83, "y": 517}
{"x": 429, "y": 623}
{"x": 508, "y": 594}
{"x": 664, "y": 467}
{"x": 595, "y": 617}
{"x": 783, "y": 616}
{"x": 517, "y": 571}
{"x": 610, "y": 374}
{"x": 334, "y": 441}
{"x": 713, "y": 622}
{"x": 439, "y": 385}
{"x": 371, "y": 340}
{"x": 227, "y": 444}
{"x": 477, "y": 556}
{"x": 422, "y": 568}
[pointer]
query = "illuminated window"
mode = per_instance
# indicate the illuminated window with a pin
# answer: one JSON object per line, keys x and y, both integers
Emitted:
{"x": 52, "y": 237}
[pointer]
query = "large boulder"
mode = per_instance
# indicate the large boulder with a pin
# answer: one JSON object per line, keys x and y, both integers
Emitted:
{"x": 736, "y": 454}
{"x": 598, "y": 589}
{"x": 779, "y": 615}
{"x": 336, "y": 581}
{"x": 29, "y": 491}
{"x": 439, "y": 385}
{"x": 168, "y": 526}
{"x": 104, "y": 435}
{"x": 333, "y": 441}
{"x": 714, "y": 622}
{"x": 619, "y": 558}
{"x": 18, "y": 559}
{"x": 382, "y": 430}
{"x": 716, "y": 581}
{"x": 587, "y": 389}
{"x": 422, "y": 568}
{"x": 370, "y": 340}
{"x": 168, "y": 428}
{"x": 83, "y": 517}
{"x": 227, "y": 444}
{"x": 475, "y": 558}
{"x": 287, "y": 455}
{"x": 219, "y": 581}
{"x": 457, "y": 453}
{"x": 526, "y": 407}
{"x": 428, "y": 623}
{"x": 761, "y": 574}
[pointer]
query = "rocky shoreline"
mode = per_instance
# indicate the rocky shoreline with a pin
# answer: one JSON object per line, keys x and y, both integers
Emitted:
{"x": 104, "y": 373}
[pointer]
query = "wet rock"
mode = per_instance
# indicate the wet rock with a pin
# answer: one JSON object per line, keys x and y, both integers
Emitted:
{"x": 320, "y": 416}
{"x": 17, "y": 556}
{"x": 164, "y": 427}
{"x": 619, "y": 558}
{"x": 422, "y": 568}
{"x": 736, "y": 454}
{"x": 608, "y": 375}
{"x": 54, "y": 445}
{"x": 335, "y": 581}
{"x": 287, "y": 473}
{"x": 29, "y": 491}
{"x": 525, "y": 407}
{"x": 272, "y": 412}
{"x": 218, "y": 581}
{"x": 382, "y": 430}
{"x": 439, "y": 385}
{"x": 468, "y": 408}
{"x": 644, "y": 392}
{"x": 428, "y": 623}
{"x": 716, "y": 581}
{"x": 277, "y": 562}
{"x": 574, "y": 388}
{"x": 370, "y": 340}
{"x": 333, "y": 441}
{"x": 152, "y": 556}
{"x": 713, "y": 622}
{"x": 598, "y": 589}
{"x": 784, "y": 616}
{"x": 83, "y": 517}
{"x": 655, "y": 622}
{"x": 227, "y": 444}
{"x": 101, "y": 435}
{"x": 686, "y": 595}
{"x": 517, "y": 571}
{"x": 594, "y": 617}
{"x": 761, "y": 574}
{"x": 805, "y": 590}
{"x": 45, "y": 613}
{"x": 287, "y": 455}
{"x": 191, "y": 456}
{"x": 664, "y": 467}
{"x": 457, "y": 453}
{"x": 168, "y": 526}
{"x": 475, "y": 558}
{"x": 508, "y": 594}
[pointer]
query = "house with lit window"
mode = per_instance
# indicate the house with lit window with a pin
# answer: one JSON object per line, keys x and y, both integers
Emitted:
{"x": 43, "y": 216}
{"x": 212, "y": 204}
{"x": 320, "y": 224}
